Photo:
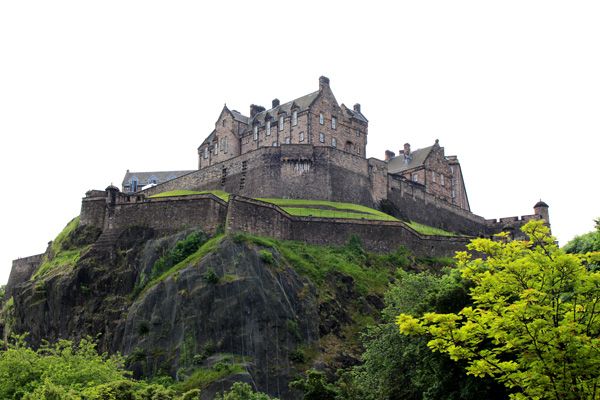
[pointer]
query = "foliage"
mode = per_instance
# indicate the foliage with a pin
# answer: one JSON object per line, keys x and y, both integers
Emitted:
{"x": 266, "y": 256}
{"x": 242, "y": 391}
{"x": 176, "y": 193}
{"x": 395, "y": 366}
{"x": 204, "y": 249}
{"x": 61, "y": 253}
{"x": 534, "y": 322}
{"x": 587, "y": 243}
{"x": 202, "y": 377}
{"x": 183, "y": 249}
{"x": 314, "y": 386}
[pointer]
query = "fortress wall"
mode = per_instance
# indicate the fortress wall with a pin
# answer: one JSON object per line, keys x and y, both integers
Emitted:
{"x": 22, "y": 269}
{"x": 93, "y": 208}
{"x": 255, "y": 217}
{"x": 412, "y": 201}
{"x": 287, "y": 171}
{"x": 202, "y": 211}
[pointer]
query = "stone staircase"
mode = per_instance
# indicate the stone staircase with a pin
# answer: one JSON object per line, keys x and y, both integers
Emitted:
{"x": 107, "y": 239}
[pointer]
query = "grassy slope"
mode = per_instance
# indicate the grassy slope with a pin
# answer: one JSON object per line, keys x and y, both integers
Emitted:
{"x": 175, "y": 193}
{"x": 61, "y": 258}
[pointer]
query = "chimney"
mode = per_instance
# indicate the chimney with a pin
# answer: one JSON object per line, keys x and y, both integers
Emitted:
{"x": 406, "y": 149}
{"x": 388, "y": 153}
{"x": 275, "y": 103}
{"x": 254, "y": 109}
{"x": 323, "y": 81}
{"x": 357, "y": 107}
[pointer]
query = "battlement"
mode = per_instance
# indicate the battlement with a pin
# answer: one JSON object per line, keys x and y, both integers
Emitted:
{"x": 510, "y": 220}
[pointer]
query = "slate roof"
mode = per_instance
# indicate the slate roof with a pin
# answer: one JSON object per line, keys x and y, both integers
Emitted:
{"x": 357, "y": 114}
{"x": 301, "y": 104}
{"x": 143, "y": 177}
{"x": 398, "y": 164}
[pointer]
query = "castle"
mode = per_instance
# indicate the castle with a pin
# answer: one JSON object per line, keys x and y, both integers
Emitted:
{"x": 314, "y": 148}
{"x": 308, "y": 148}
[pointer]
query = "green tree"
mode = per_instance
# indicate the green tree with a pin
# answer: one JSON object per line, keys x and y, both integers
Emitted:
{"x": 587, "y": 243}
{"x": 315, "y": 386}
{"x": 534, "y": 322}
{"x": 242, "y": 391}
{"x": 395, "y": 366}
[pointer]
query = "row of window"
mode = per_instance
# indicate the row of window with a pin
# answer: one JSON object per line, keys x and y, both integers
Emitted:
{"x": 415, "y": 178}
{"x": 333, "y": 121}
{"x": 281, "y": 124}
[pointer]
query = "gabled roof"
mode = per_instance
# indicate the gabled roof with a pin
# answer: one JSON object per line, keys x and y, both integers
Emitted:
{"x": 209, "y": 138}
{"x": 416, "y": 159}
{"x": 301, "y": 104}
{"x": 356, "y": 114}
{"x": 161, "y": 176}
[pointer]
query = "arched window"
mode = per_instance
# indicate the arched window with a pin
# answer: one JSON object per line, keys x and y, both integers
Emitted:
{"x": 152, "y": 179}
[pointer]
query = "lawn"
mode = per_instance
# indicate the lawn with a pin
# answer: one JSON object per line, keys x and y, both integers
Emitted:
{"x": 176, "y": 193}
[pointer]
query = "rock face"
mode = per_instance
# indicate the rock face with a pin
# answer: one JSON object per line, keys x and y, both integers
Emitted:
{"x": 240, "y": 301}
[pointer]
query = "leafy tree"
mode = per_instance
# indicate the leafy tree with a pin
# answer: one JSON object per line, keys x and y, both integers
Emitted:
{"x": 534, "y": 322}
{"x": 396, "y": 366}
{"x": 315, "y": 386}
{"x": 242, "y": 391}
{"x": 587, "y": 243}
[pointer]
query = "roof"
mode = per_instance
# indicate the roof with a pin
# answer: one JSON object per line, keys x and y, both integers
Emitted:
{"x": 301, "y": 104}
{"x": 357, "y": 114}
{"x": 161, "y": 176}
{"x": 417, "y": 159}
{"x": 540, "y": 204}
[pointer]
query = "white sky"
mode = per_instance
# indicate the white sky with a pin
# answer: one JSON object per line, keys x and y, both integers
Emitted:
{"x": 89, "y": 89}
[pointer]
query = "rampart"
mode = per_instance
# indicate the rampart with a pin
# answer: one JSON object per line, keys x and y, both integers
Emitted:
{"x": 22, "y": 269}
{"x": 243, "y": 214}
{"x": 286, "y": 171}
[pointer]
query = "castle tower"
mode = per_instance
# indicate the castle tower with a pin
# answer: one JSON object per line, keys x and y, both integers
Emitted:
{"x": 541, "y": 209}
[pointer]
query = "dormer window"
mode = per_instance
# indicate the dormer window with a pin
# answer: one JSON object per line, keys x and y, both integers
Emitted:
{"x": 268, "y": 128}
{"x": 281, "y": 122}
{"x": 152, "y": 180}
{"x": 295, "y": 118}
{"x": 333, "y": 122}
{"x": 255, "y": 132}
{"x": 321, "y": 119}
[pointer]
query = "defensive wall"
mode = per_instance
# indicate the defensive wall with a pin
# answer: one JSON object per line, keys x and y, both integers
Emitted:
{"x": 243, "y": 214}
{"x": 304, "y": 171}
{"x": 22, "y": 269}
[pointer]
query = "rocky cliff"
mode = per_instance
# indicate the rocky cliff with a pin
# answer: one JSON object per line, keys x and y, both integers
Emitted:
{"x": 265, "y": 310}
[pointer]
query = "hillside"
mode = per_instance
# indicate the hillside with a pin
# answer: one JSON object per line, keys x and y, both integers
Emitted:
{"x": 184, "y": 304}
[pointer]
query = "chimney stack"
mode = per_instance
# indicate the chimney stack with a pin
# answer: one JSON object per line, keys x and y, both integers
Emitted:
{"x": 323, "y": 81}
{"x": 389, "y": 154}
{"x": 275, "y": 103}
{"x": 357, "y": 107}
{"x": 254, "y": 109}
{"x": 406, "y": 149}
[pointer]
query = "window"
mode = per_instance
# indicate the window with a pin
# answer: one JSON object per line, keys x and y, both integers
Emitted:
{"x": 223, "y": 122}
{"x": 322, "y": 137}
{"x": 281, "y": 122}
{"x": 333, "y": 122}
{"x": 357, "y": 133}
{"x": 333, "y": 142}
{"x": 433, "y": 176}
{"x": 287, "y": 140}
{"x": 153, "y": 180}
{"x": 321, "y": 119}
{"x": 224, "y": 145}
{"x": 217, "y": 148}
{"x": 268, "y": 128}
{"x": 442, "y": 179}
{"x": 295, "y": 118}
{"x": 134, "y": 184}
{"x": 274, "y": 144}
{"x": 301, "y": 137}
{"x": 206, "y": 152}
{"x": 415, "y": 178}
{"x": 255, "y": 132}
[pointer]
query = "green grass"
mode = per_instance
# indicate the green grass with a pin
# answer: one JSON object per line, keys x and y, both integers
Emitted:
{"x": 301, "y": 207}
{"x": 371, "y": 272}
{"x": 206, "y": 248}
{"x": 61, "y": 258}
{"x": 176, "y": 193}
{"x": 202, "y": 377}
{"x": 429, "y": 230}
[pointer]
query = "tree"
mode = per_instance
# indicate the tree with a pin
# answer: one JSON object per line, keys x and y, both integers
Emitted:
{"x": 314, "y": 386}
{"x": 587, "y": 243}
{"x": 395, "y": 366}
{"x": 534, "y": 322}
{"x": 243, "y": 391}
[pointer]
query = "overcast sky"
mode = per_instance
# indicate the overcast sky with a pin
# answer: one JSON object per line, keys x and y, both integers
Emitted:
{"x": 90, "y": 89}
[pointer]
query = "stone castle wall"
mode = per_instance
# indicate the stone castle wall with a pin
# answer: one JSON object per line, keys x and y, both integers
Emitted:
{"x": 22, "y": 269}
{"x": 286, "y": 171}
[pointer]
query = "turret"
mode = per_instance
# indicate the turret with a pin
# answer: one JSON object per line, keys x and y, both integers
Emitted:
{"x": 541, "y": 209}
{"x": 111, "y": 195}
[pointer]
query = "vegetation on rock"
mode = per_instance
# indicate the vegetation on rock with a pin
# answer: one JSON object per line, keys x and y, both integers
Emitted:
{"x": 533, "y": 325}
